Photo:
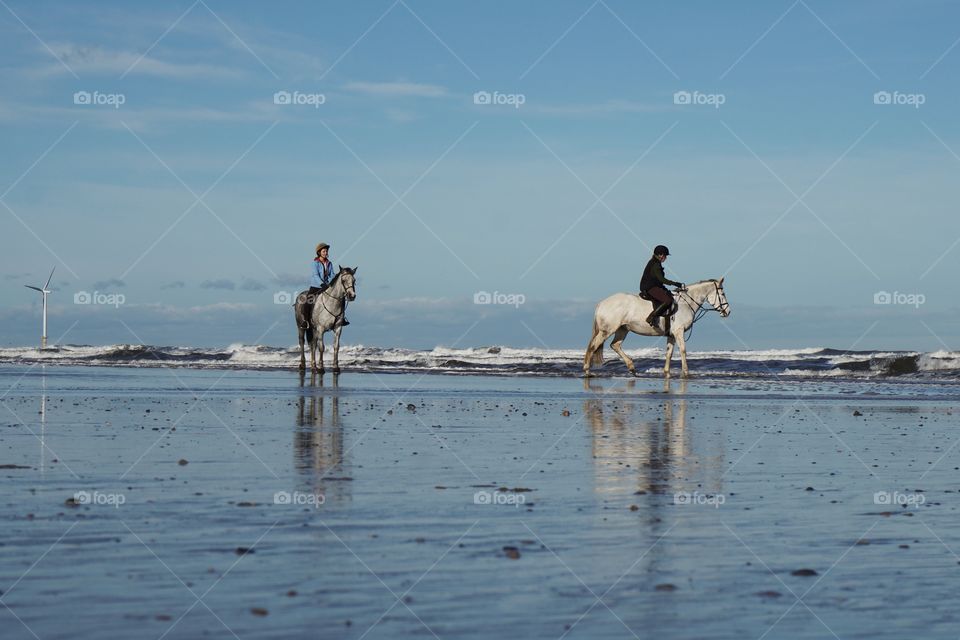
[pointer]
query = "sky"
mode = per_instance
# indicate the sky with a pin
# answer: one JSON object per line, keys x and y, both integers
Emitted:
{"x": 182, "y": 159}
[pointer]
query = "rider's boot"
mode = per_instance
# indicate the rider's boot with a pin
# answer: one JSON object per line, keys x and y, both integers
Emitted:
{"x": 654, "y": 318}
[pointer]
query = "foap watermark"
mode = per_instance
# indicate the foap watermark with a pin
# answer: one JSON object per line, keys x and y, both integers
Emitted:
{"x": 284, "y": 297}
{"x": 896, "y": 498}
{"x": 98, "y": 297}
{"x": 700, "y": 499}
{"x": 97, "y": 99}
{"x": 900, "y": 99}
{"x": 515, "y": 100}
{"x": 900, "y": 298}
{"x": 485, "y": 297}
{"x": 299, "y": 498}
{"x": 499, "y": 498}
{"x": 298, "y": 98}
{"x": 98, "y": 498}
{"x": 697, "y": 98}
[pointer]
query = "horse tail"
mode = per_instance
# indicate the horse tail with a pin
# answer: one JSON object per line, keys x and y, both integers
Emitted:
{"x": 596, "y": 358}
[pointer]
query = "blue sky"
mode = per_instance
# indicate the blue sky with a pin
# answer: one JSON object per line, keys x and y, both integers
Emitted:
{"x": 199, "y": 197}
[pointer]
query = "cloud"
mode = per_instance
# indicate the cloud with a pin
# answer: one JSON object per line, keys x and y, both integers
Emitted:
{"x": 222, "y": 283}
{"x": 252, "y": 285}
{"x": 398, "y": 89}
{"x": 176, "y": 284}
{"x": 290, "y": 280}
{"x": 16, "y": 276}
{"x": 601, "y": 108}
{"x": 96, "y": 60}
{"x": 110, "y": 283}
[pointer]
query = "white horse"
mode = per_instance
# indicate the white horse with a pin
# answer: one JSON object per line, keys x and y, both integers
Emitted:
{"x": 624, "y": 312}
{"x": 328, "y": 314}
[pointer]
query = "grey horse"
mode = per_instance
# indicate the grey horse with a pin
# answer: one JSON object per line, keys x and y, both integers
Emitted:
{"x": 328, "y": 313}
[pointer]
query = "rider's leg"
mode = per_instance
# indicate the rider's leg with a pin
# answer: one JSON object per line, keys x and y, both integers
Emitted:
{"x": 663, "y": 302}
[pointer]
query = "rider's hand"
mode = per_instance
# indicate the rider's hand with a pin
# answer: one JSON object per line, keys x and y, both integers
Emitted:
{"x": 681, "y": 286}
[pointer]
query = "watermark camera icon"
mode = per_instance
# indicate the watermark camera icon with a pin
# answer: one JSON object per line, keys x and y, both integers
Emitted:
{"x": 282, "y": 497}
{"x": 482, "y": 497}
{"x": 882, "y": 297}
{"x": 682, "y": 497}
{"x": 482, "y": 297}
{"x": 82, "y": 97}
{"x": 881, "y": 497}
{"x": 282, "y": 297}
{"x": 482, "y": 97}
{"x": 82, "y": 497}
{"x": 82, "y": 297}
{"x": 282, "y": 97}
{"x": 682, "y": 97}
{"x": 882, "y": 97}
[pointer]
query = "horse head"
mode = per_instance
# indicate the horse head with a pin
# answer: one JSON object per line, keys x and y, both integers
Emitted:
{"x": 347, "y": 277}
{"x": 719, "y": 299}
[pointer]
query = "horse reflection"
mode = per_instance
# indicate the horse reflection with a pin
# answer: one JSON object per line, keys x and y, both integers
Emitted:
{"x": 318, "y": 440}
{"x": 643, "y": 447}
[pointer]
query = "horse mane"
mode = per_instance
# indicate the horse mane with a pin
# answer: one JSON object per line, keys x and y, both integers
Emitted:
{"x": 333, "y": 280}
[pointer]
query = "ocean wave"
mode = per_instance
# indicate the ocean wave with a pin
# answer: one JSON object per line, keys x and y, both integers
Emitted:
{"x": 502, "y": 360}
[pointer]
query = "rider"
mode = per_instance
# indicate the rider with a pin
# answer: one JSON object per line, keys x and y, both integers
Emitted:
{"x": 653, "y": 283}
{"x": 321, "y": 275}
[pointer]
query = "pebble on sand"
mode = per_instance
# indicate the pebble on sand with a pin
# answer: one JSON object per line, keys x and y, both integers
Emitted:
{"x": 512, "y": 552}
{"x": 258, "y": 611}
{"x": 666, "y": 586}
{"x": 769, "y": 594}
{"x": 804, "y": 572}
{"x": 183, "y": 462}
{"x": 242, "y": 551}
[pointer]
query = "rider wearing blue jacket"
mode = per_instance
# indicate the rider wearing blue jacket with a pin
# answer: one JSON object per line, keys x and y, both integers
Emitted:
{"x": 321, "y": 274}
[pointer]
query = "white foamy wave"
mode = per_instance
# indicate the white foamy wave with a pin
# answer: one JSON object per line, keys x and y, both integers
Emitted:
{"x": 502, "y": 360}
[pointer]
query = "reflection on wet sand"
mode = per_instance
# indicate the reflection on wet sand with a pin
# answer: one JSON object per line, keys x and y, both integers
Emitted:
{"x": 639, "y": 449}
{"x": 318, "y": 440}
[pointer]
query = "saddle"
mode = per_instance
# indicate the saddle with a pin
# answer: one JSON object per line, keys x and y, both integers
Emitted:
{"x": 673, "y": 307}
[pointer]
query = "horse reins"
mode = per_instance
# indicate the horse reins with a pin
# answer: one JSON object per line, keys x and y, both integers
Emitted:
{"x": 701, "y": 310}
{"x": 343, "y": 302}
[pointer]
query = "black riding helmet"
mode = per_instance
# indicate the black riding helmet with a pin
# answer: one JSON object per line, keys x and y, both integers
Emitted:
{"x": 661, "y": 250}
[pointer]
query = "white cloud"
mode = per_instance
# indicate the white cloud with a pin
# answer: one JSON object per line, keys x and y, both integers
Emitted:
{"x": 395, "y": 89}
{"x": 93, "y": 60}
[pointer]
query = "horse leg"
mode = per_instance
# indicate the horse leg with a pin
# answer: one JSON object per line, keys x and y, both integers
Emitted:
{"x": 303, "y": 355}
{"x": 313, "y": 352}
{"x": 666, "y": 365}
{"x": 320, "y": 347}
{"x": 594, "y": 353}
{"x": 336, "y": 349}
{"x": 618, "y": 337}
{"x": 683, "y": 355}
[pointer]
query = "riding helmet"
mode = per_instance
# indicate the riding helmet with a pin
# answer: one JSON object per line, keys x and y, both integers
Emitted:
{"x": 660, "y": 250}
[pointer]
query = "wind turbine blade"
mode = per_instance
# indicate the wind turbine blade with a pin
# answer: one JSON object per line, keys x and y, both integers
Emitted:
{"x": 34, "y": 288}
{"x": 50, "y": 278}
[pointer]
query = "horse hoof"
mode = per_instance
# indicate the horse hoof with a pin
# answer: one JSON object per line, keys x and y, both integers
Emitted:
{"x": 336, "y": 370}
{"x": 302, "y": 366}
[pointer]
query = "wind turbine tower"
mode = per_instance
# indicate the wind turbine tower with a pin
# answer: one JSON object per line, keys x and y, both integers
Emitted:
{"x": 44, "y": 291}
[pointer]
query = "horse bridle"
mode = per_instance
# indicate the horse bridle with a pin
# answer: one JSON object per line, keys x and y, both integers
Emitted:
{"x": 324, "y": 305}
{"x": 701, "y": 310}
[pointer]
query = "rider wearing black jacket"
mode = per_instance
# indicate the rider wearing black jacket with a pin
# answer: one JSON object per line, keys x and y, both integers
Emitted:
{"x": 654, "y": 283}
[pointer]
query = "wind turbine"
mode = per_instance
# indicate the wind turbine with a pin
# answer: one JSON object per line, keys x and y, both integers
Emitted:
{"x": 44, "y": 291}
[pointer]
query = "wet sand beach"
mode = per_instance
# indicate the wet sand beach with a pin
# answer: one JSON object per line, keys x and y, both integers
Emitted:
{"x": 161, "y": 503}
